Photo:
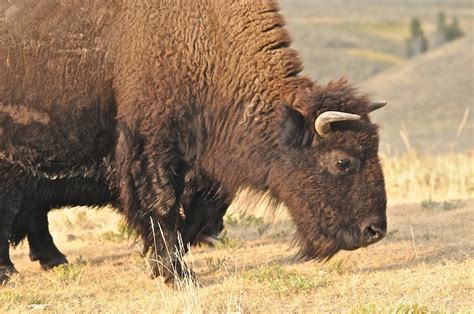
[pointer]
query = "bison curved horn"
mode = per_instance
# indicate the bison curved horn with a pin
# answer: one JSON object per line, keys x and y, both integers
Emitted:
{"x": 376, "y": 105}
{"x": 323, "y": 122}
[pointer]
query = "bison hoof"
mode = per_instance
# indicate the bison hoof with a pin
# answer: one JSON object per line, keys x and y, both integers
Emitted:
{"x": 174, "y": 276}
{"x": 179, "y": 282}
{"x": 5, "y": 273}
{"x": 47, "y": 265}
{"x": 180, "y": 277}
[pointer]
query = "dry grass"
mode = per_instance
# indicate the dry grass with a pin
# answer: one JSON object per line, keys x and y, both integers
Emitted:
{"x": 375, "y": 55}
{"x": 398, "y": 32}
{"x": 425, "y": 264}
{"x": 415, "y": 177}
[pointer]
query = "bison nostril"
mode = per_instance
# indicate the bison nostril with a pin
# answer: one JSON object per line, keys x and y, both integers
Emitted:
{"x": 372, "y": 234}
{"x": 373, "y": 229}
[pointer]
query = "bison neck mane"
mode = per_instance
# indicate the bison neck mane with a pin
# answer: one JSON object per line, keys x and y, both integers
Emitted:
{"x": 259, "y": 70}
{"x": 250, "y": 72}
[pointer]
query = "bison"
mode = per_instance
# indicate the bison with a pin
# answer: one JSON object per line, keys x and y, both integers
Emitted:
{"x": 167, "y": 110}
{"x": 41, "y": 195}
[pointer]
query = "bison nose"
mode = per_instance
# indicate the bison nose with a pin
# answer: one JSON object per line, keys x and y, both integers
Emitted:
{"x": 373, "y": 230}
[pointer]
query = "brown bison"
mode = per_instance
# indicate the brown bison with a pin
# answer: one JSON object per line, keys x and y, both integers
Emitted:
{"x": 167, "y": 109}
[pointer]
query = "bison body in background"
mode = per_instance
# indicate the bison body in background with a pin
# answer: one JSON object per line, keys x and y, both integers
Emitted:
{"x": 167, "y": 110}
{"x": 40, "y": 195}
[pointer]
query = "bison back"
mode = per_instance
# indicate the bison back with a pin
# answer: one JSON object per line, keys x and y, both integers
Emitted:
{"x": 56, "y": 102}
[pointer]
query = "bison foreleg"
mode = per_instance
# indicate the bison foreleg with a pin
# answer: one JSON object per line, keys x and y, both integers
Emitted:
{"x": 150, "y": 174}
{"x": 10, "y": 199}
{"x": 42, "y": 247}
{"x": 200, "y": 211}
{"x": 6, "y": 265}
{"x": 151, "y": 178}
{"x": 32, "y": 222}
{"x": 166, "y": 257}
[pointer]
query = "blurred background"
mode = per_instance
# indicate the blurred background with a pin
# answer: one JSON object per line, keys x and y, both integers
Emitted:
{"x": 415, "y": 54}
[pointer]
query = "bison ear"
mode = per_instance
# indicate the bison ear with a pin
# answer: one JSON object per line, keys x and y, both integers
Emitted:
{"x": 294, "y": 131}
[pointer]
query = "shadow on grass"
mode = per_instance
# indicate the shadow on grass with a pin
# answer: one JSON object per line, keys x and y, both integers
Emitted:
{"x": 112, "y": 258}
{"x": 440, "y": 256}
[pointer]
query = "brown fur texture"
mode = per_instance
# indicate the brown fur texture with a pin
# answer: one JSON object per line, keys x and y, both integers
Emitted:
{"x": 177, "y": 104}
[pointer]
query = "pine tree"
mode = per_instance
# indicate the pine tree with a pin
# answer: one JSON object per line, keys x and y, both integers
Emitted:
{"x": 454, "y": 31}
{"x": 441, "y": 23}
{"x": 417, "y": 42}
{"x": 445, "y": 32}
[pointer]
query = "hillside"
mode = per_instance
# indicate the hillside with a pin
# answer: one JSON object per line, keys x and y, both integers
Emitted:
{"x": 365, "y": 42}
{"x": 359, "y": 39}
{"x": 428, "y": 97}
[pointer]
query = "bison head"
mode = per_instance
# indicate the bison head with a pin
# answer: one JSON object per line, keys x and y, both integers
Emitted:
{"x": 329, "y": 174}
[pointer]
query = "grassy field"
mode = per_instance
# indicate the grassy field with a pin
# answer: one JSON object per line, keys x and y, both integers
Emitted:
{"x": 425, "y": 264}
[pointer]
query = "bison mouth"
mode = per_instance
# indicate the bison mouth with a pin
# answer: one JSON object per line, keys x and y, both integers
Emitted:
{"x": 363, "y": 234}
{"x": 207, "y": 239}
{"x": 323, "y": 247}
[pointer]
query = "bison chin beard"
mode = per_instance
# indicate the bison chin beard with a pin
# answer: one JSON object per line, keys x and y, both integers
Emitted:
{"x": 322, "y": 247}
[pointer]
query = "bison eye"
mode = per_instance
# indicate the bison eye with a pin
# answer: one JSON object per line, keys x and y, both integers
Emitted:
{"x": 343, "y": 164}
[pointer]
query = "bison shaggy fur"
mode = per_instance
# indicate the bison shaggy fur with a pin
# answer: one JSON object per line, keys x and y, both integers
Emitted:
{"x": 167, "y": 110}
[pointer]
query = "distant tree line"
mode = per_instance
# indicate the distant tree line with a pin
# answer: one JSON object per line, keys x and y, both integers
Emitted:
{"x": 418, "y": 44}
{"x": 445, "y": 32}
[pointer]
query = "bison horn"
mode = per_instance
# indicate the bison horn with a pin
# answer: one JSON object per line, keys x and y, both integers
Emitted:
{"x": 376, "y": 105}
{"x": 323, "y": 122}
